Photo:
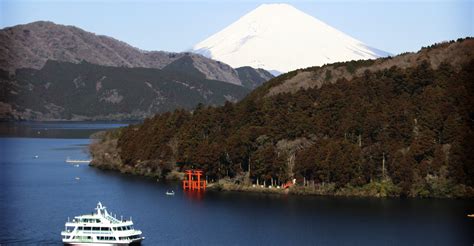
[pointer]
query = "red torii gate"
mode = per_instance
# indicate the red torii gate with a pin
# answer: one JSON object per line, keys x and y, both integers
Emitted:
{"x": 193, "y": 181}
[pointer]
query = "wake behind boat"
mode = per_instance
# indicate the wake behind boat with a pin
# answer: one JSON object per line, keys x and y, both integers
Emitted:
{"x": 100, "y": 228}
{"x": 72, "y": 161}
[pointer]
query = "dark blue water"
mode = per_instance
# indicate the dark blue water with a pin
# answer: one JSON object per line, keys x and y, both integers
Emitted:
{"x": 38, "y": 195}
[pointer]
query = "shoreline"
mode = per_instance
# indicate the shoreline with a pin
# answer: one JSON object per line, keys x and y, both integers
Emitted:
{"x": 105, "y": 155}
{"x": 384, "y": 189}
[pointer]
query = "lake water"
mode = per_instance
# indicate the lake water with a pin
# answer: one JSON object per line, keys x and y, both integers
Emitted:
{"x": 38, "y": 195}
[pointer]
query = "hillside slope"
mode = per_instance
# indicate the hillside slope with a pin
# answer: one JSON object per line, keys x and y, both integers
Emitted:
{"x": 31, "y": 45}
{"x": 85, "y": 91}
{"x": 399, "y": 126}
{"x": 253, "y": 78}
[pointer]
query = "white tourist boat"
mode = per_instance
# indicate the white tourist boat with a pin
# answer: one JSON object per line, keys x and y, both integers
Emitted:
{"x": 100, "y": 228}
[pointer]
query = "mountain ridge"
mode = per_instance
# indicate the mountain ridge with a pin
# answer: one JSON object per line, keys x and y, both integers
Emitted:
{"x": 31, "y": 45}
{"x": 458, "y": 52}
{"x": 86, "y": 91}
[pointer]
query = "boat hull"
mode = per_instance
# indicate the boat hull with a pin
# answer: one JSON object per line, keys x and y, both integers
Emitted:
{"x": 104, "y": 244}
{"x": 85, "y": 244}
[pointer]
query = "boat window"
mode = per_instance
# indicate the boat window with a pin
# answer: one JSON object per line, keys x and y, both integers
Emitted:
{"x": 87, "y": 228}
{"x": 97, "y": 221}
{"x": 96, "y": 228}
{"x": 106, "y": 238}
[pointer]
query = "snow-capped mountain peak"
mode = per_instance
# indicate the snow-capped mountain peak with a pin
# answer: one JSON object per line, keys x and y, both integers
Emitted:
{"x": 279, "y": 37}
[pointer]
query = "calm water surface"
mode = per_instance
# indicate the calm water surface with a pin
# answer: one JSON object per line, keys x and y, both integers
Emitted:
{"x": 38, "y": 195}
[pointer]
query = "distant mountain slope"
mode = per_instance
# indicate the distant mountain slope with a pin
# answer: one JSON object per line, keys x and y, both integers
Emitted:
{"x": 85, "y": 91}
{"x": 399, "y": 126}
{"x": 282, "y": 38}
{"x": 31, "y": 45}
{"x": 252, "y": 78}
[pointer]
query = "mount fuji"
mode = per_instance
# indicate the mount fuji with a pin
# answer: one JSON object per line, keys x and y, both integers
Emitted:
{"x": 281, "y": 38}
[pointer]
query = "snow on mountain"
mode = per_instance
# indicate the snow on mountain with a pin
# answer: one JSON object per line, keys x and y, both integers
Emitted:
{"x": 279, "y": 37}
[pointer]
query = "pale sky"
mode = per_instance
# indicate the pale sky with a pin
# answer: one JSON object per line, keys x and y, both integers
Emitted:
{"x": 393, "y": 26}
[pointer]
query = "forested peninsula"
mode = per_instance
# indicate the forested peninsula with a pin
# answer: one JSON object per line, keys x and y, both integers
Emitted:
{"x": 396, "y": 126}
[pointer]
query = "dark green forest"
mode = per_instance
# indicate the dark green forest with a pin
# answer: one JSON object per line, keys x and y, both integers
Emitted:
{"x": 409, "y": 130}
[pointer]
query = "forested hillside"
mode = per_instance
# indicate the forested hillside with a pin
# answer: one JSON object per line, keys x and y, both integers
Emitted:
{"x": 384, "y": 128}
{"x": 85, "y": 91}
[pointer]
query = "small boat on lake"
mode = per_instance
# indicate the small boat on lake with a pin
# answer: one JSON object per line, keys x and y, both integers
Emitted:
{"x": 100, "y": 228}
{"x": 77, "y": 161}
{"x": 170, "y": 193}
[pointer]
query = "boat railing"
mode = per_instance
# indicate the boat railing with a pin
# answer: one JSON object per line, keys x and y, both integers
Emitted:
{"x": 113, "y": 219}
